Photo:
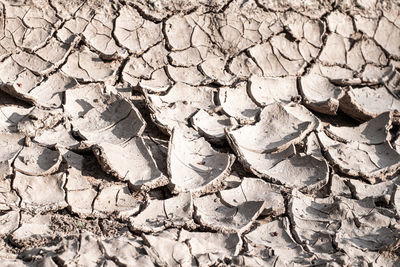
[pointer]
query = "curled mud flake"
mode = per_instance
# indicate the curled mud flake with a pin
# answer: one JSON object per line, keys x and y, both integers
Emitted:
{"x": 38, "y": 160}
{"x": 373, "y": 132}
{"x": 51, "y": 197}
{"x": 276, "y": 131}
{"x": 253, "y": 189}
{"x": 320, "y": 94}
{"x": 306, "y": 173}
{"x": 265, "y": 91}
{"x": 10, "y": 116}
{"x": 371, "y": 162}
{"x": 210, "y": 248}
{"x": 236, "y": 103}
{"x": 116, "y": 199}
{"x": 179, "y": 104}
{"x": 60, "y": 135}
{"x": 99, "y": 116}
{"x": 212, "y": 126}
{"x": 210, "y": 212}
{"x": 136, "y": 167}
{"x": 367, "y": 102}
{"x": 380, "y": 192}
{"x": 187, "y": 152}
{"x": 49, "y": 93}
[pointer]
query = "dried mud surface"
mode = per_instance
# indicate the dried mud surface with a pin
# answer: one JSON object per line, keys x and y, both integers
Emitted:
{"x": 199, "y": 133}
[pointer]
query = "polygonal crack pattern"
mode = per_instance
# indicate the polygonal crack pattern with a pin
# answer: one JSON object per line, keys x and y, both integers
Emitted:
{"x": 199, "y": 133}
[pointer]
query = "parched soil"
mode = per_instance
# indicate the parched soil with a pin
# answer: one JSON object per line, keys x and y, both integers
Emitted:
{"x": 199, "y": 133}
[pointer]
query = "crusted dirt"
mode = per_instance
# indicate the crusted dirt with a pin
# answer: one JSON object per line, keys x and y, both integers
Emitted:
{"x": 199, "y": 133}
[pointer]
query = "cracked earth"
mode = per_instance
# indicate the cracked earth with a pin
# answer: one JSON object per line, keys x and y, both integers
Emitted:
{"x": 204, "y": 133}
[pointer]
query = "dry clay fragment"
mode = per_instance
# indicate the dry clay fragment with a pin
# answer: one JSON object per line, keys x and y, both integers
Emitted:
{"x": 116, "y": 199}
{"x": 193, "y": 165}
{"x": 353, "y": 225}
{"x": 132, "y": 162}
{"x": 161, "y": 214}
{"x": 31, "y": 227}
{"x": 366, "y": 103}
{"x": 275, "y": 132}
{"x": 9, "y": 222}
{"x": 80, "y": 194}
{"x": 41, "y": 120}
{"x": 212, "y": 126}
{"x": 373, "y": 132}
{"x": 236, "y": 103}
{"x": 276, "y": 236}
{"x": 46, "y": 59}
{"x": 16, "y": 80}
{"x": 211, "y": 248}
{"x": 101, "y": 116}
{"x": 83, "y": 251}
{"x": 265, "y": 91}
{"x": 210, "y": 212}
{"x": 254, "y": 189}
{"x": 368, "y": 161}
{"x": 9, "y": 199}
{"x": 99, "y": 34}
{"x": 320, "y": 94}
{"x": 87, "y": 66}
{"x": 41, "y": 193}
{"x": 13, "y": 144}
{"x": 126, "y": 250}
{"x": 38, "y": 160}
{"x": 134, "y": 32}
{"x": 179, "y": 104}
{"x": 166, "y": 250}
{"x": 315, "y": 222}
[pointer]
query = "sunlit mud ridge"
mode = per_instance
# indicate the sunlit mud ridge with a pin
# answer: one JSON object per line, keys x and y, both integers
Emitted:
{"x": 199, "y": 133}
